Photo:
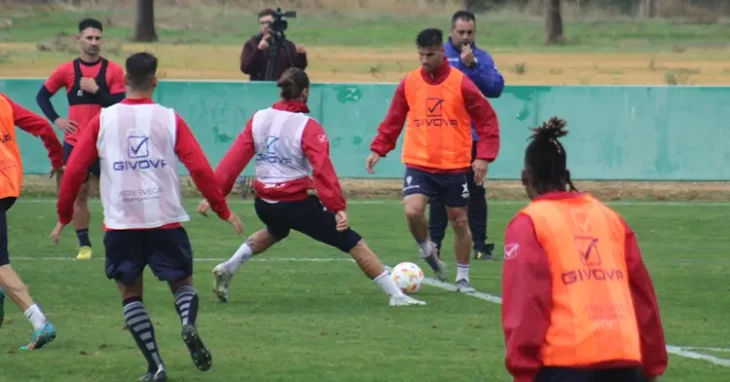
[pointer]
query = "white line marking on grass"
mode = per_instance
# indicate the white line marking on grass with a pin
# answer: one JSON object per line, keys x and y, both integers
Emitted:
{"x": 677, "y": 350}
{"x": 682, "y": 351}
{"x": 203, "y": 259}
{"x": 492, "y": 202}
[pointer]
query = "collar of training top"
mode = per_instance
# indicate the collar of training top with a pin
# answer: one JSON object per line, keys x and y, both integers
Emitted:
{"x": 137, "y": 101}
{"x": 558, "y": 195}
{"x": 295, "y": 106}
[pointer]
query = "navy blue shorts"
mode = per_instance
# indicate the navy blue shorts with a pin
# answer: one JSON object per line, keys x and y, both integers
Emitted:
{"x": 5, "y": 205}
{"x": 451, "y": 188}
{"x": 166, "y": 251}
{"x": 95, "y": 168}
{"x": 307, "y": 216}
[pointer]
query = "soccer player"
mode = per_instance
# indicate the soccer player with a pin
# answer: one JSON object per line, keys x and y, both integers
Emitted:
{"x": 578, "y": 302}
{"x": 91, "y": 82}
{"x": 288, "y": 145}
{"x": 11, "y": 181}
{"x": 463, "y": 54}
{"x": 438, "y": 103}
{"x": 138, "y": 144}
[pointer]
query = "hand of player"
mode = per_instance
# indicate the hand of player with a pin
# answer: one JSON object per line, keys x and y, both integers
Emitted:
{"x": 467, "y": 55}
{"x": 203, "y": 207}
{"x": 264, "y": 43}
{"x": 56, "y": 233}
{"x": 300, "y": 49}
{"x": 89, "y": 85}
{"x": 65, "y": 125}
{"x": 373, "y": 158}
{"x": 480, "y": 167}
{"x": 236, "y": 223}
{"x": 341, "y": 219}
{"x": 57, "y": 171}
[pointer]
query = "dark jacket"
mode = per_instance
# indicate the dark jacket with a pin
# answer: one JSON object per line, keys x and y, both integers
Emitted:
{"x": 254, "y": 61}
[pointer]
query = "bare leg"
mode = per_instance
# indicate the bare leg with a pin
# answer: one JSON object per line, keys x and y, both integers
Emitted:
{"x": 462, "y": 246}
{"x": 15, "y": 288}
{"x": 370, "y": 264}
{"x": 415, "y": 207}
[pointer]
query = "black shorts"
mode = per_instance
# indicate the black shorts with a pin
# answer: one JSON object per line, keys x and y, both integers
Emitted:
{"x": 5, "y": 205}
{"x": 450, "y": 188}
{"x": 166, "y": 251}
{"x": 565, "y": 374}
{"x": 95, "y": 168}
{"x": 307, "y": 216}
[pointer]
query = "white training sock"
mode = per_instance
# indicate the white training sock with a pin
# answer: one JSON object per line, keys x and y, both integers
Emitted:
{"x": 36, "y": 316}
{"x": 426, "y": 248}
{"x": 462, "y": 272}
{"x": 243, "y": 253}
{"x": 387, "y": 285}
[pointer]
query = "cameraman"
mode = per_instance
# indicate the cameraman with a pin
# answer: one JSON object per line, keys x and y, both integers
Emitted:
{"x": 264, "y": 57}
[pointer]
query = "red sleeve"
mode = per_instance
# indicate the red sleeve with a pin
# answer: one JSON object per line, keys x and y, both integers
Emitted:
{"x": 192, "y": 157}
{"x": 317, "y": 149}
{"x": 58, "y": 78}
{"x": 390, "y": 129}
{"x": 485, "y": 120}
{"x": 526, "y": 299}
{"x": 236, "y": 159}
{"x": 38, "y": 127}
{"x": 77, "y": 168}
{"x": 116, "y": 80}
{"x": 653, "y": 345}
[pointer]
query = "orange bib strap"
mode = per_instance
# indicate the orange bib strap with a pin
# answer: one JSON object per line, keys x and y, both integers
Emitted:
{"x": 438, "y": 127}
{"x": 592, "y": 319}
{"x": 11, "y": 168}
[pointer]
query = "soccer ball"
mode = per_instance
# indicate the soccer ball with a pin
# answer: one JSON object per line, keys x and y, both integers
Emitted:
{"x": 407, "y": 276}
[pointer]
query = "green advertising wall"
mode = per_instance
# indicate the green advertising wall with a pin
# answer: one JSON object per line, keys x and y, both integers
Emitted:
{"x": 616, "y": 132}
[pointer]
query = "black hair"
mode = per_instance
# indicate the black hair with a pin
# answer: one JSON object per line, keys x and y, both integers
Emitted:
{"x": 462, "y": 15}
{"x": 545, "y": 157}
{"x": 90, "y": 23}
{"x": 267, "y": 12}
{"x": 141, "y": 68}
{"x": 292, "y": 83}
{"x": 430, "y": 37}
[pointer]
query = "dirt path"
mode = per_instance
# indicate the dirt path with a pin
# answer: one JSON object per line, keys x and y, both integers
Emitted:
{"x": 347, "y": 64}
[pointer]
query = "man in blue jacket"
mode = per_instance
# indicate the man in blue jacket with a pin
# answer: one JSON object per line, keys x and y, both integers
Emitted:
{"x": 479, "y": 66}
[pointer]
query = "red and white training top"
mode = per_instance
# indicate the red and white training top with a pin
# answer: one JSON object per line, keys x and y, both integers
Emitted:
{"x": 138, "y": 143}
{"x": 288, "y": 146}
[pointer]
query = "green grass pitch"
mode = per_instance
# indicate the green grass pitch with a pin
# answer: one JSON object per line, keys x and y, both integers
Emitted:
{"x": 303, "y": 312}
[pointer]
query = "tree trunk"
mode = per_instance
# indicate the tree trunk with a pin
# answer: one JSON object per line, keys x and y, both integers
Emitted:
{"x": 647, "y": 8}
{"x": 553, "y": 23}
{"x": 144, "y": 29}
{"x": 475, "y": 6}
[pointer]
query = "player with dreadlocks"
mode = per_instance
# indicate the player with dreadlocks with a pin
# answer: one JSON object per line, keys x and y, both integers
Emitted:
{"x": 578, "y": 302}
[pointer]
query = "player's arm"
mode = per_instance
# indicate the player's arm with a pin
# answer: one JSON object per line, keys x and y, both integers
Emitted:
{"x": 117, "y": 88}
{"x": 56, "y": 81}
{"x": 485, "y": 120}
{"x": 653, "y": 345}
{"x": 77, "y": 168}
{"x": 317, "y": 149}
{"x": 191, "y": 155}
{"x": 485, "y": 75}
{"x": 526, "y": 299}
{"x": 236, "y": 159}
{"x": 37, "y": 126}
{"x": 391, "y": 127}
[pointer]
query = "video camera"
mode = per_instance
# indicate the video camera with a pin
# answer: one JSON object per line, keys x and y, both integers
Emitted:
{"x": 279, "y": 25}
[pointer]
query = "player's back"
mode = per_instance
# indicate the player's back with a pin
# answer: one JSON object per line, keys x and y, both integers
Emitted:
{"x": 277, "y": 137}
{"x": 584, "y": 241}
{"x": 139, "y": 183}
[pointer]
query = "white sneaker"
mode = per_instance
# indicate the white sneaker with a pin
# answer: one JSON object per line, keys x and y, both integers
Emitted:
{"x": 221, "y": 279}
{"x": 464, "y": 286}
{"x": 404, "y": 300}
